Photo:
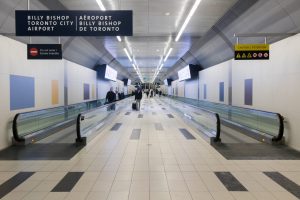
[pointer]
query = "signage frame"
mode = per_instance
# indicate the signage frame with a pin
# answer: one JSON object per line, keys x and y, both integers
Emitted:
{"x": 60, "y": 22}
{"x": 44, "y": 51}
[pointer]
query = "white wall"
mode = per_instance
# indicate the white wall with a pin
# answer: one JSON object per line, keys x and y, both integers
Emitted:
{"x": 178, "y": 87}
{"x": 275, "y": 84}
{"x": 131, "y": 88}
{"x": 191, "y": 89}
{"x": 105, "y": 85}
{"x": 164, "y": 89}
{"x": 13, "y": 61}
{"x": 212, "y": 77}
{"x": 78, "y": 76}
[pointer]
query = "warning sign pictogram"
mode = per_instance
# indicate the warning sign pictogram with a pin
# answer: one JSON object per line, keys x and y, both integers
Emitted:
{"x": 252, "y": 52}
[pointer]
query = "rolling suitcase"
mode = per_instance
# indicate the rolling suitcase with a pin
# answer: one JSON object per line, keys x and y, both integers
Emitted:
{"x": 134, "y": 105}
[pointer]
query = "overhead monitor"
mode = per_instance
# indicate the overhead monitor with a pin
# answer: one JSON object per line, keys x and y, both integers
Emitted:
{"x": 128, "y": 82}
{"x": 110, "y": 73}
{"x": 165, "y": 82}
{"x": 184, "y": 73}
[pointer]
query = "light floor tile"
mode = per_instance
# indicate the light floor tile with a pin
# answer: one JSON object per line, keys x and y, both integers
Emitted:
{"x": 139, "y": 195}
{"x": 160, "y": 196}
{"x": 201, "y": 196}
{"x": 118, "y": 196}
{"x": 180, "y": 196}
{"x": 242, "y": 195}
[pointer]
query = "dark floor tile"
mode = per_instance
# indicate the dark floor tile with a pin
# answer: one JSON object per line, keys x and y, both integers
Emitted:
{"x": 140, "y": 116}
{"x": 68, "y": 182}
{"x": 116, "y": 127}
{"x": 187, "y": 134}
{"x": 127, "y": 113}
{"x": 41, "y": 151}
{"x": 136, "y": 134}
{"x": 13, "y": 182}
{"x": 230, "y": 182}
{"x": 284, "y": 182}
{"x": 170, "y": 116}
{"x": 159, "y": 127}
{"x": 256, "y": 151}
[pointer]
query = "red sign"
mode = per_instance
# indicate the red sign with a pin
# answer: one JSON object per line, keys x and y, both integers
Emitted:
{"x": 33, "y": 52}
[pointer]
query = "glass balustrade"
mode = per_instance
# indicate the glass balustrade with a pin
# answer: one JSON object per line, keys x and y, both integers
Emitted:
{"x": 262, "y": 121}
{"x": 30, "y": 122}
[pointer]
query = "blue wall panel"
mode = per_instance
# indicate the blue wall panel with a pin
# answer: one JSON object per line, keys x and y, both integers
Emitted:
{"x": 86, "y": 91}
{"x": 249, "y": 92}
{"x": 221, "y": 91}
{"x": 205, "y": 91}
{"x": 21, "y": 92}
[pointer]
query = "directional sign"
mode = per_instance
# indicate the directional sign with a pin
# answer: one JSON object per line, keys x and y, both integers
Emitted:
{"x": 252, "y": 52}
{"x": 44, "y": 52}
{"x": 73, "y": 23}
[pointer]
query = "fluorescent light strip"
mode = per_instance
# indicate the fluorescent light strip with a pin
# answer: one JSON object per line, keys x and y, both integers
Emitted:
{"x": 127, "y": 54}
{"x": 187, "y": 20}
{"x": 100, "y": 4}
{"x": 168, "y": 54}
{"x": 119, "y": 38}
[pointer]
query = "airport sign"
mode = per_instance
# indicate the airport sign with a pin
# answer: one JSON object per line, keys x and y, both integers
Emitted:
{"x": 252, "y": 52}
{"x": 44, "y": 52}
{"x": 73, "y": 23}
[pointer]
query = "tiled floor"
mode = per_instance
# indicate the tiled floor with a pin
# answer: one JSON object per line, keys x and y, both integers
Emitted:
{"x": 158, "y": 164}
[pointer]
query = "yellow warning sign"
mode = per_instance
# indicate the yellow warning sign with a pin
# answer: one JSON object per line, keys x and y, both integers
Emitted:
{"x": 249, "y": 55}
{"x": 244, "y": 55}
{"x": 238, "y": 56}
{"x": 252, "y": 47}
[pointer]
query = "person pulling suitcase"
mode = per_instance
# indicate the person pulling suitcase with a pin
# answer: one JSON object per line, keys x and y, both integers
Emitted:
{"x": 138, "y": 98}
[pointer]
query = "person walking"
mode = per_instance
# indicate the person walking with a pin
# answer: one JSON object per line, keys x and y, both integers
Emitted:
{"x": 138, "y": 98}
{"x": 110, "y": 98}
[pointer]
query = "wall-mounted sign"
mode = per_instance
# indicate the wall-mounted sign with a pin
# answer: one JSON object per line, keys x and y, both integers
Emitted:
{"x": 73, "y": 23}
{"x": 252, "y": 52}
{"x": 44, "y": 52}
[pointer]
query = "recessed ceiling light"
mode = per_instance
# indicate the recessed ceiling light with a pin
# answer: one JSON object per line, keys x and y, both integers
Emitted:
{"x": 157, "y": 50}
{"x": 167, "y": 13}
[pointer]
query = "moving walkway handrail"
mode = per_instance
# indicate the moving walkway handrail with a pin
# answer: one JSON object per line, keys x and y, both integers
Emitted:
{"x": 280, "y": 118}
{"x": 217, "y": 116}
{"x": 80, "y": 117}
{"x": 281, "y": 129}
{"x": 15, "y": 131}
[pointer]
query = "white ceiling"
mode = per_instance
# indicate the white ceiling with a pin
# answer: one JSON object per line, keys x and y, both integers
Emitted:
{"x": 155, "y": 25}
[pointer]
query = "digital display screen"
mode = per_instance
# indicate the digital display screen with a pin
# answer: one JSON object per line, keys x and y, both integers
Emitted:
{"x": 110, "y": 73}
{"x": 184, "y": 73}
{"x": 129, "y": 82}
{"x": 165, "y": 82}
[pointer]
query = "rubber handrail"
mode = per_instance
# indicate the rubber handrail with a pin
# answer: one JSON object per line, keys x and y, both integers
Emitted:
{"x": 218, "y": 129}
{"x": 78, "y": 131}
{"x": 218, "y": 120}
{"x": 59, "y": 107}
{"x": 80, "y": 117}
{"x": 279, "y": 137}
{"x": 198, "y": 107}
{"x": 213, "y": 103}
{"x": 15, "y": 129}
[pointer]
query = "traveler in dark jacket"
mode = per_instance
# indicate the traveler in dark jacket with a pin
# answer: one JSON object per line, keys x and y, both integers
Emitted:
{"x": 138, "y": 98}
{"x": 110, "y": 98}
